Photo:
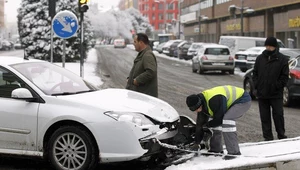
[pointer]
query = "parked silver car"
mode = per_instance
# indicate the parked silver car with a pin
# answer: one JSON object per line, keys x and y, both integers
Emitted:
{"x": 213, "y": 57}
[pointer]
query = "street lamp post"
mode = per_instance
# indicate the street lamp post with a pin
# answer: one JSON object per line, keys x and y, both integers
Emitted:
{"x": 179, "y": 13}
{"x": 232, "y": 9}
{"x": 200, "y": 18}
{"x": 242, "y": 18}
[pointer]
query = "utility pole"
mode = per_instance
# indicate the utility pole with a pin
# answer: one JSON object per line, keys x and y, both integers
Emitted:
{"x": 199, "y": 33}
{"x": 179, "y": 13}
{"x": 242, "y": 18}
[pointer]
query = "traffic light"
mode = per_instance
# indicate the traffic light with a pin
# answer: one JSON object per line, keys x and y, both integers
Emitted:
{"x": 83, "y": 7}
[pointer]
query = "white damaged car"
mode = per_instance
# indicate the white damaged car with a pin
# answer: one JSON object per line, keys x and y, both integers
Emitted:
{"x": 50, "y": 112}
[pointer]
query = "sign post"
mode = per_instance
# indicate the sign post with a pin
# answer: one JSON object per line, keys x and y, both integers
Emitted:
{"x": 64, "y": 25}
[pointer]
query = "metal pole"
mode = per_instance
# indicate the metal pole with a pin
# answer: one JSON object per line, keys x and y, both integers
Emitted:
{"x": 51, "y": 45}
{"x": 165, "y": 16}
{"x": 199, "y": 21}
{"x": 81, "y": 45}
{"x": 179, "y": 13}
{"x": 64, "y": 53}
{"x": 242, "y": 18}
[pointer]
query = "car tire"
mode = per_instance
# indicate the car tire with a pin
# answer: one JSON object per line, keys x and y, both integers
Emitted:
{"x": 231, "y": 71}
{"x": 286, "y": 97}
{"x": 243, "y": 69}
{"x": 248, "y": 88}
{"x": 201, "y": 71}
{"x": 61, "y": 149}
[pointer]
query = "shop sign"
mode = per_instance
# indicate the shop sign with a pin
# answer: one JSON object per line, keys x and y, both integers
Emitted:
{"x": 233, "y": 27}
{"x": 293, "y": 23}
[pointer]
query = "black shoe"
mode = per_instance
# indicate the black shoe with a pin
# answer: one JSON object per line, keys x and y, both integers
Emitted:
{"x": 268, "y": 139}
{"x": 282, "y": 137}
{"x": 231, "y": 156}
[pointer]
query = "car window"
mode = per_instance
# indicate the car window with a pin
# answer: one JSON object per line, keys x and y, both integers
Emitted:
{"x": 52, "y": 79}
{"x": 8, "y": 83}
{"x": 186, "y": 45}
{"x": 217, "y": 51}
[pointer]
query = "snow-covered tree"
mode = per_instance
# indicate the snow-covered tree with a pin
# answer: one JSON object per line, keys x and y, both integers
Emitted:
{"x": 34, "y": 25}
{"x": 114, "y": 24}
{"x": 139, "y": 22}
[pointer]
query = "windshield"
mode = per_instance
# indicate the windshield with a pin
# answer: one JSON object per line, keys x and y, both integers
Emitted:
{"x": 52, "y": 79}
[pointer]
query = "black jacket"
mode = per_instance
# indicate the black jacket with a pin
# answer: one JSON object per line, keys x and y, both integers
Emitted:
{"x": 218, "y": 104}
{"x": 270, "y": 74}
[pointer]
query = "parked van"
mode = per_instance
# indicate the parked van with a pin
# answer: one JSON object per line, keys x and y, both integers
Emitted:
{"x": 241, "y": 43}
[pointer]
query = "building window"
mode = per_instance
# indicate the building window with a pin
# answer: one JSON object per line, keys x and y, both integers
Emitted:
{"x": 222, "y": 1}
{"x": 160, "y": 6}
{"x": 170, "y": 6}
{"x": 153, "y": 16}
{"x": 160, "y": 16}
{"x": 169, "y": 16}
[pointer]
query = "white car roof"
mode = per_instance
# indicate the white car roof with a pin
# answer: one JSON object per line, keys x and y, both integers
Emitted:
{"x": 8, "y": 60}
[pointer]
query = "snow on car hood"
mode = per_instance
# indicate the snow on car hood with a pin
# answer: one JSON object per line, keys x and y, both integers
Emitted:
{"x": 126, "y": 100}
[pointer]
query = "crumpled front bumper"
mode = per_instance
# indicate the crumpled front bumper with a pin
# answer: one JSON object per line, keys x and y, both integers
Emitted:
{"x": 166, "y": 134}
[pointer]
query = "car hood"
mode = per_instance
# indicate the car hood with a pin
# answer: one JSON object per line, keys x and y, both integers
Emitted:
{"x": 126, "y": 101}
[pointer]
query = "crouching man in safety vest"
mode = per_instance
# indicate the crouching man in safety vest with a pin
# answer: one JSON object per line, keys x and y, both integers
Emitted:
{"x": 217, "y": 109}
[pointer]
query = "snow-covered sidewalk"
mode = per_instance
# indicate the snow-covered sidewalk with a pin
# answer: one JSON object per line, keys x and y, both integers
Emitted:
{"x": 253, "y": 154}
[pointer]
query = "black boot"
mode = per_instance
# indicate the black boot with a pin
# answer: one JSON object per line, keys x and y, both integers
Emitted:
{"x": 231, "y": 156}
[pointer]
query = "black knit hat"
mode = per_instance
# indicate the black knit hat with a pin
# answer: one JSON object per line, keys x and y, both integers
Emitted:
{"x": 193, "y": 102}
{"x": 271, "y": 41}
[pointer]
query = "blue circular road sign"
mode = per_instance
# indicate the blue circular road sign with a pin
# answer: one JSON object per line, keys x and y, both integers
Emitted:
{"x": 65, "y": 24}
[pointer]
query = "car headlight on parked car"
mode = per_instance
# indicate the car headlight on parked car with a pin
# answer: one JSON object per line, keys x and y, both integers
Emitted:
{"x": 135, "y": 118}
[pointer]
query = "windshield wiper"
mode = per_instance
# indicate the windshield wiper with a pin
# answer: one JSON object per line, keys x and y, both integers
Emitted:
{"x": 62, "y": 94}
{"x": 85, "y": 91}
{"x": 70, "y": 93}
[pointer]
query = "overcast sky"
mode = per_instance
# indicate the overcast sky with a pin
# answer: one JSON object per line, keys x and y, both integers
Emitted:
{"x": 12, "y": 5}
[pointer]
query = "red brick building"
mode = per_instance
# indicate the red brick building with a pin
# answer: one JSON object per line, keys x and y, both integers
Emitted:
{"x": 159, "y": 12}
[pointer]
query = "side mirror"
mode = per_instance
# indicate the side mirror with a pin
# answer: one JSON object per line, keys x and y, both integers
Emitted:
{"x": 22, "y": 93}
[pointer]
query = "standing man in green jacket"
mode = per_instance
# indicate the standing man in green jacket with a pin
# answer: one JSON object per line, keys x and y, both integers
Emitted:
{"x": 143, "y": 75}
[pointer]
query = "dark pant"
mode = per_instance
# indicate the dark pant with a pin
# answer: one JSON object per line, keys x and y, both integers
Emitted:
{"x": 265, "y": 106}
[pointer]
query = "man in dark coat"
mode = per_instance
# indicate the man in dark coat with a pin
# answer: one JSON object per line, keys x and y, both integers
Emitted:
{"x": 143, "y": 75}
{"x": 270, "y": 76}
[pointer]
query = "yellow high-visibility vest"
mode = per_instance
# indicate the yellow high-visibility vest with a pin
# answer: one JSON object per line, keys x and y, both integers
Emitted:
{"x": 231, "y": 93}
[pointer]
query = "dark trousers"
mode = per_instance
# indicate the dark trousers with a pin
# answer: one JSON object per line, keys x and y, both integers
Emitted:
{"x": 265, "y": 106}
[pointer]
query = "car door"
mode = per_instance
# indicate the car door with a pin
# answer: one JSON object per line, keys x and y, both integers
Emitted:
{"x": 18, "y": 118}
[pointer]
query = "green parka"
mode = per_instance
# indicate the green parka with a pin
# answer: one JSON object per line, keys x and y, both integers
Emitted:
{"x": 144, "y": 70}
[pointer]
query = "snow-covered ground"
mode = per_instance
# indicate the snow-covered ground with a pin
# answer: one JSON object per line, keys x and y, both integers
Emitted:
{"x": 252, "y": 153}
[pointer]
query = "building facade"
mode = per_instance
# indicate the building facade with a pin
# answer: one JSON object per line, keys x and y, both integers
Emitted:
{"x": 279, "y": 18}
{"x": 162, "y": 14}
{"x": 2, "y": 18}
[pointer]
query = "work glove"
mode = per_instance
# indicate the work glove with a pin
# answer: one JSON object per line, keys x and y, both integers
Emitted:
{"x": 195, "y": 147}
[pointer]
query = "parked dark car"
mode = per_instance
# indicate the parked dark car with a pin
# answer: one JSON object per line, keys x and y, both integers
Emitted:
{"x": 173, "y": 48}
{"x": 183, "y": 50}
{"x": 292, "y": 89}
